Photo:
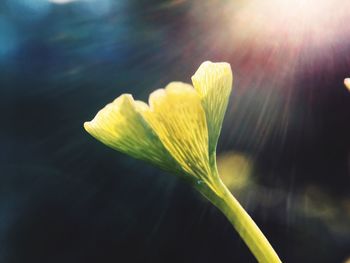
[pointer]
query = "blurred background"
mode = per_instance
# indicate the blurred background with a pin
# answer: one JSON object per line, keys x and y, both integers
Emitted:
{"x": 284, "y": 150}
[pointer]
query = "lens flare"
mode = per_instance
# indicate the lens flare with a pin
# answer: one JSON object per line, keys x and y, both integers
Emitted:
{"x": 285, "y": 28}
{"x": 294, "y": 23}
{"x": 272, "y": 45}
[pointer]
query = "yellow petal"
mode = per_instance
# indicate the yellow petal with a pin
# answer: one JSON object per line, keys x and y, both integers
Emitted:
{"x": 213, "y": 82}
{"x": 120, "y": 126}
{"x": 178, "y": 118}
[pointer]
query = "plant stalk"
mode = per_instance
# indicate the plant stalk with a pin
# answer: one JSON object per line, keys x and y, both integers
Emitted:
{"x": 242, "y": 222}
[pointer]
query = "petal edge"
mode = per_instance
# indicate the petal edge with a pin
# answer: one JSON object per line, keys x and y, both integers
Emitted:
{"x": 121, "y": 126}
{"x": 213, "y": 82}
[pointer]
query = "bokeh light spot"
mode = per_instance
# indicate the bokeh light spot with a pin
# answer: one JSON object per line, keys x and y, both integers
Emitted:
{"x": 235, "y": 170}
{"x": 347, "y": 83}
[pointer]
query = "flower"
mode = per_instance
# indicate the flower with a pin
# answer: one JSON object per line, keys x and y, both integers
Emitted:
{"x": 178, "y": 130}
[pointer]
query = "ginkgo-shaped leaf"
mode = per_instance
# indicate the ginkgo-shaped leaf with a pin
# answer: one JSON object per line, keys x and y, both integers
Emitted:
{"x": 178, "y": 131}
{"x": 177, "y": 117}
{"x": 213, "y": 82}
{"x": 120, "y": 126}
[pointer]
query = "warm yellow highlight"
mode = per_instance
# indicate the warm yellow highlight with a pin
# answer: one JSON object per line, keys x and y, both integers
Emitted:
{"x": 213, "y": 82}
{"x": 235, "y": 171}
{"x": 347, "y": 83}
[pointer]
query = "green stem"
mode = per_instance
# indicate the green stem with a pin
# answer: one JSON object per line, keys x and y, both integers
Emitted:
{"x": 242, "y": 222}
